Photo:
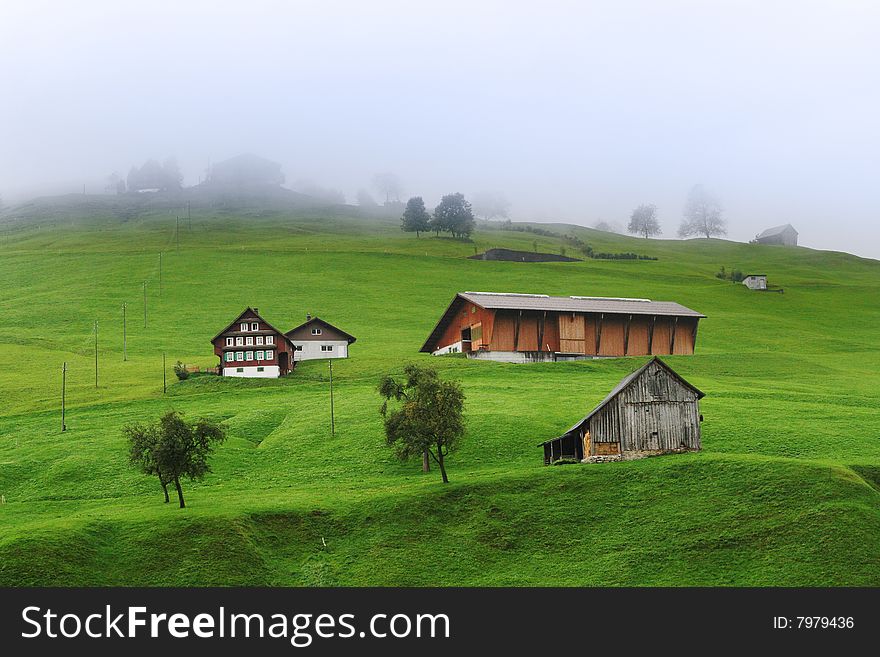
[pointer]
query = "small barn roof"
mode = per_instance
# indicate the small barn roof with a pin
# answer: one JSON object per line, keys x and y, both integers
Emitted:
{"x": 242, "y": 314}
{"x": 750, "y": 275}
{"x": 318, "y": 320}
{"x": 776, "y": 230}
{"x": 572, "y": 304}
{"x": 624, "y": 382}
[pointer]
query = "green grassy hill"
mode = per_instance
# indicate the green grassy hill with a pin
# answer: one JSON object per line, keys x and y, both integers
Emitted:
{"x": 785, "y": 492}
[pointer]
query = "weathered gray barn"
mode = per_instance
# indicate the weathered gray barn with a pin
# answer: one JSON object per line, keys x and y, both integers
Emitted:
{"x": 755, "y": 281}
{"x": 651, "y": 411}
{"x": 785, "y": 235}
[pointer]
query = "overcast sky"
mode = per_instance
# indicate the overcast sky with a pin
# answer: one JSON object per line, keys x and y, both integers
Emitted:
{"x": 577, "y": 111}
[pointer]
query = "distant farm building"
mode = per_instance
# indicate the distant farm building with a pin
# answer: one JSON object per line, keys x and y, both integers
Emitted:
{"x": 251, "y": 347}
{"x": 784, "y": 235}
{"x": 755, "y": 281}
{"x": 316, "y": 339}
{"x": 521, "y": 328}
{"x": 651, "y": 411}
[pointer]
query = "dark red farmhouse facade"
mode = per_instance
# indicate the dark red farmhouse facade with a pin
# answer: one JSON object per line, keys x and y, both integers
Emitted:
{"x": 251, "y": 347}
{"x": 536, "y": 327}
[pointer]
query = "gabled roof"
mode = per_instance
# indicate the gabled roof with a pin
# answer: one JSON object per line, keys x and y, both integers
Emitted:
{"x": 513, "y": 301}
{"x": 776, "y": 230}
{"x": 246, "y": 311}
{"x": 313, "y": 320}
{"x": 624, "y": 382}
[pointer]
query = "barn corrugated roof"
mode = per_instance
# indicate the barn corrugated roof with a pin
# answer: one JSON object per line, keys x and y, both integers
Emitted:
{"x": 776, "y": 230}
{"x": 615, "y": 305}
{"x": 624, "y": 382}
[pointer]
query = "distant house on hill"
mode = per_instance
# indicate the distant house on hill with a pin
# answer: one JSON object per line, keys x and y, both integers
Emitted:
{"x": 755, "y": 281}
{"x": 246, "y": 170}
{"x": 651, "y": 411}
{"x": 785, "y": 235}
{"x": 251, "y": 347}
{"x": 316, "y": 339}
{"x": 520, "y": 328}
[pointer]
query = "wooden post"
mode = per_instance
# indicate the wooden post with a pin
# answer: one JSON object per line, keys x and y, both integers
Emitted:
{"x": 164, "y": 380}
{"x": 124, "y": 336}
{"x": 63, "y": 395}
{"x": 599, "y": 332}
{"x": 332, "y": 418}
{"x": 672, "y": 339}
{"x": 160, "y": 273}
{"x": 177, "y": 233}
{"x": 626, "y": 336}
{"x": 145, "y": 304}
{"x": 651, "y": 334}
{"x": 96, "y": 353}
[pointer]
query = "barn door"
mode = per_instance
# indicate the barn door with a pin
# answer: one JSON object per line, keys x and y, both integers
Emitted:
{"x": 571, "y": 333}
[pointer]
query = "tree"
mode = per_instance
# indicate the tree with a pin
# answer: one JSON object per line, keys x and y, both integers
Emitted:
{"x": 606, "y": 226}
{"x": 415, "y": 217}
{"x": 388, "y": 185}
{"x": 702, "y": 215}
{"x": 173, "y": 448}
{"x": 365, "y": 199}
{"x": 454, "y": 214}
{"x": 491, "y": 205}
{"x": 429, "y": 419}
{"x": 644, "y": 221}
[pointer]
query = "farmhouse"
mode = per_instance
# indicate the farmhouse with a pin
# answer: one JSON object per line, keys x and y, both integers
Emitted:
{"x": 755, "y": 281}
{"x": 521, "y": 328}
{"x": 785, "y": 235}
{"x": 318, "y": 339}
{"x": 651, "y": 411}
{"x": 251, "y": 347}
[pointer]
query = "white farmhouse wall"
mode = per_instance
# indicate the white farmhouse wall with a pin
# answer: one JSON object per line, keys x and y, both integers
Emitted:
{"x": 311, "y": 349}
{"x": 453, "y": 348}
{"x": 269, "y": 372}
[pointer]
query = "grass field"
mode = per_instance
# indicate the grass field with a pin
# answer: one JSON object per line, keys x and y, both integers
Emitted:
{"x": 785, "y": 492}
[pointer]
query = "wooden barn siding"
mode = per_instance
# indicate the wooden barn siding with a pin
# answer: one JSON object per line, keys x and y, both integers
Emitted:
{"x": 612, "y": 337}
{"x": 662, "y": 336}
{"x": 650, "y": 403}
{"x": 503, "y": 331}
{"x": 571, "y": 333}
{"x": 551, "y": 333}
{"x": 684, "y": 336}
{"x": 528, "y": 332}
{"x": 465, "y": 317}
{"x": 637, "y": 344}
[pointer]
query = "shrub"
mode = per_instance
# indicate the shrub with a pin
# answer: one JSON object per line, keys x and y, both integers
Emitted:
{"x": 180, "y": 371}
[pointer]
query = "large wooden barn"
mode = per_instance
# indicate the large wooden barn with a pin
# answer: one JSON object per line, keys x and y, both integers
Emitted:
{"x": 536, "y": 327}
{"x": 651, "y": 411}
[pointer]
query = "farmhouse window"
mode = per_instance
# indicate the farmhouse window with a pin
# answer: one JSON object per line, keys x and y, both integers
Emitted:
{"x": 259, "y": 339}
{"x": 259, "y": 355}
{"x": 255, "y": 326}
{"x": 239, "y": 341}
{"x": 230, "y": 356}
{"x": 270, "y": 339}
{"x": 239, "y": 355}
{"x": 297, "y": 347}
{"x": 249, "y": 340}
{"x": 229, "y": 342}
{"x": 249, "y": 355}
{"x": 316, "y": 331}
{"x": 244, "y": 326}
{"x": 239, "y": 369}
{"x": 269, "y": 355}
{"x": 326, "y": 347}
{"x": 260, "y": 369}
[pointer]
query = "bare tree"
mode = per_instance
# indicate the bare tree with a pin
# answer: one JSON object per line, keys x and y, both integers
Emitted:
{"x": 388, "y": 184}
{"x": 702, "y": 215}
{"x": 644, "y": 221}
{"x": 491, "y": 205}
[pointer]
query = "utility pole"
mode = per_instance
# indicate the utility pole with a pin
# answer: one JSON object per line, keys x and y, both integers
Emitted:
{"x": 177, "y": 233}
{"x": 63, "y": 394}
{"x": 160, "y": 273}
{"x": 332, "y": 418}
{"x": 96, "y": 353}
{"x": 164, "y": 380}
{"x": 145, "y": 304}
{"x": 124, "y": 336}
{"x": 189, "y": 220}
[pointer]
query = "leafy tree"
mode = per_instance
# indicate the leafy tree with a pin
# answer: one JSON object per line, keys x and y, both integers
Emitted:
{"x": 388, "y": 185}
{"x": 454, "y": 214}
{"x": 365, "y": 199}
{"x": 173, "y": 448}
{"x": 702, "y": 215}
{"x": 180, "y": 371}
{"x": 491, "y": 205}
{"x": 152, "y": 175}
{"x": 644, "y": 221}
{"x": 429, "y": 418}
{"x": 415, "y": 217}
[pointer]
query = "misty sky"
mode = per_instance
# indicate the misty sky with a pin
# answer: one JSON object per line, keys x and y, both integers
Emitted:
{"x": 577, "y": 111}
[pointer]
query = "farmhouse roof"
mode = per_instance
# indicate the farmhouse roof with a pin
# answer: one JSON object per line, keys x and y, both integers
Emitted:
{"x": 624, "y": 382}
{"x": 242, "y": 314}
{"x": 318, "y": 320}
{"x": 776, "y": 230}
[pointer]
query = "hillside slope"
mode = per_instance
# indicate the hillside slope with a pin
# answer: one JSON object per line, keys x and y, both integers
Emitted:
{"x": 784, "y": 493}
